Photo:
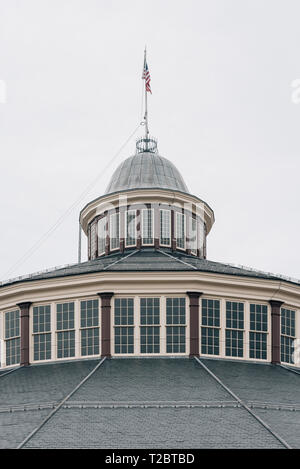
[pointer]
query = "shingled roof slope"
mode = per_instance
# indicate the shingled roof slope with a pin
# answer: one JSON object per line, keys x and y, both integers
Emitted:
{"x": 149, "y": 260}
{"x": 150, "y": 403}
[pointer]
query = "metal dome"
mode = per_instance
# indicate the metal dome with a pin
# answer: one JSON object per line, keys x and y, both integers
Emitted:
{"x": 144, "y": 170}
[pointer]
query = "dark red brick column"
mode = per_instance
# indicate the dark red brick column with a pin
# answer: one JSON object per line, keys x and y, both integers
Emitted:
{"x": 194, "y": 322}
{"x": 275, "y": 330}
{"x": 24, "y": 318}
{"x": 105, "y": 323}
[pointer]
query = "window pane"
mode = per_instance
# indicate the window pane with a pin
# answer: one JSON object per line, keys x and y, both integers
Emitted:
{"x": 93, "y": 240}
{"x": 89, "y": 313}
{"x": 12, "y": 324}
{"x": 65, "y": 320}
{"x": 101, "y": 235}
{"x": 147, "y": 226}
{"x": 193, "y": 235}
{"x": 234, "y": 343}
{"x": 90, "y": 342}
{"x": 114, "y": 231}
{"x": 165, "y": 227}
{"x": 131, "y": 228}
{"x": 175, "y": 339}
{"x": 65, "y": 344}
{"x": 288, "y": 322}
{"x": 258, "y": 317}
{"x": 210, "y": 340}
{"x": 287, "y": 349}
{"x": 124, "y": 340}
{"x": 42, "y": 346}
{"x": 180, "y": 230}
{"x": 13, "y": 351}
{"x": 150, "y": 339}
{"x": 258, "y": 345}
{"x": 288, "y": 331}
{"x": 41, "y": 318}
{"x": 211, "y": 313}
{"x": 149, "y": 311}
{"x": 234, "y": 315}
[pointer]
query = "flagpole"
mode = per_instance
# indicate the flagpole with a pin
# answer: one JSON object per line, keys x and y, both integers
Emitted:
{"x": 146, "y": 105}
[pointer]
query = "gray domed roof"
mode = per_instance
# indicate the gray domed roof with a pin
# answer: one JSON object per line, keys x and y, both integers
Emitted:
{"x": 146, "y": 170}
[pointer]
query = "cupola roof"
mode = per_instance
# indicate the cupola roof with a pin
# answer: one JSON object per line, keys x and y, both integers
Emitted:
{"x": 146, "y": 169}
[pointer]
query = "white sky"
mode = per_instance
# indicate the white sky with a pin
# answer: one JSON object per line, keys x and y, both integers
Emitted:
{"x": 221, "y": 109}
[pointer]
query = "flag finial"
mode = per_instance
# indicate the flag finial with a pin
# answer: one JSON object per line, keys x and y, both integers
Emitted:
{"x": 146, "y": 77}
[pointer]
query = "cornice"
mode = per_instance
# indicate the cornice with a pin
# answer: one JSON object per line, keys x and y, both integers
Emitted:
{"x": 143, "y": 282}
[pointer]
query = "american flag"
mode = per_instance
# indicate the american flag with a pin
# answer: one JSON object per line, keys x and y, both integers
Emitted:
{"x": 146, "y": 77}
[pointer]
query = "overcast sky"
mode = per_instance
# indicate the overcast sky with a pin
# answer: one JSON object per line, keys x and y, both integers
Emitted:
{"x": 221, "y": 108}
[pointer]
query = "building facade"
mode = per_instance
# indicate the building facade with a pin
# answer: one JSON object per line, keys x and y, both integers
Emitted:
{"x": 148, "y": 288}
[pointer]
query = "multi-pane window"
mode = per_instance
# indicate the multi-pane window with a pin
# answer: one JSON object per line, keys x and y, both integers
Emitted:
{"x": 89, "y": 325}
{"x": 210, "y": 327}
{"x": 93, "y": 240}
{"x": 12, "y": 324}
{"x": 42, "y": 346}
{"x": 65, "y": 325}
{"x": 150, "y": 329}
{"x": 12, "y": 337}
{"x": 258, "y": 331}
{"x": 90, "y": 341}
{"x": 288, "y": 334}
{"x": 101, "y": 235}
{"x": 258, "y": 345}
{"x": 131, "y": 228}
{"x": 42, "y": 332}
{"x": 147, "y": 226}
{"x": 180, "y": 230}
{"x": 234, "y": 334}
{"x": 124, "y": 325}
{"x": 176, "y": 325}
{"x": 193, "y": 235}
{"x": 115, "y": 231}
{"x": 165, "y": 227}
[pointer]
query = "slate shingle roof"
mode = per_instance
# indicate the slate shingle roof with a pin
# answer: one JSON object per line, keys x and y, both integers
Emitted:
{"x": 150, "y": 403}
{"x": 149, "y": 260}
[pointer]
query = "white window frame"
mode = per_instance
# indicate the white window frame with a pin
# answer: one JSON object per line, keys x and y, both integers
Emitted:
{"x": 185, "y": 325}
{"x": 4, "y": 340}
{"x": 191, "y": 233}
{"x": 220, "y": 328}
{"x": 288, "y": 308}
{"x": 75, "y": 329}
{"x": 94, "y": 240}
{"x": 178, "y": 224}
{"x": 127, "y": 245}
{"x": 32, "y": 333}
{"x": 142, "y": 226}
{"x": 117, "y": 215}
{"x": 99, "y": 227}
{"x": 134, "y": 325}
{"x": 248, "y": 330}
{"x": 160, "y": 227}
{"x": 88, "y": 327}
